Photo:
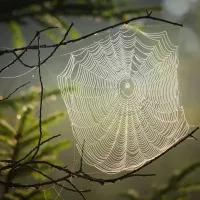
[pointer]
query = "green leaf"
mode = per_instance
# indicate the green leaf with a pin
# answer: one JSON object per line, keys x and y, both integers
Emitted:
{"x": 23, "y": 171}
{"x": 6, "y": 129}
{"x": 131, "y": 195}
{"x": 38, "y": 194}
{"x": 52, "y": 149}
{"x": 5, "y": 154}
{"x": 189, "y": 187}
{"x": 6, "y": 141}
{"x": 27, "y": 111}
{"x": 31, "y": 96}
{"x": 28, "y": 123}
{"x": 179, "y": 176}
{"x": 65, "y": 26}
{"x": 47, "y": 21}
{"x": 28, "y": 194}
{"x": 17, "y": 37}
{"x": 32, "y": 140}
{"x": 174, "y": 181}
{"x": 181, "y": 196}
{"x": 50, "y": 120}
{"x": 46, "y": 194}
{"x": 10, "y": 196}
{"x": 43, "y": 168}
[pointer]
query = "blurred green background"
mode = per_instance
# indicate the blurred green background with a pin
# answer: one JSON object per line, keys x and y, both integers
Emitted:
{"x": 17, "y": 30}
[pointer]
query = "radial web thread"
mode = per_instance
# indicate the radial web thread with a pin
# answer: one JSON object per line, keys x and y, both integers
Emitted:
{"x": 124, "y": 102}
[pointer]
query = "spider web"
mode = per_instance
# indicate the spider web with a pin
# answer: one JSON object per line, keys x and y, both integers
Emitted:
{"x": 125, "y": 105}
{"x": 147, "y": 106}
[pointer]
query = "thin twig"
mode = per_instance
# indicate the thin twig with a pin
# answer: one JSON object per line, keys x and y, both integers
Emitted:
{"x": 127, "y": 175}
{"x": 102, "y": 181}
{"x": 1, "y": 100}
{"x": 19, "y": 185}
{"x": 24, "y": 50}
{"x": 173, "y": 146}
{"x": 58, "y": 184}
{"x": 51, "y": 54}
{"x": 35, "y": 47}
{"x": 98, "y": 180}
{"x": 45, "y": 141}
{"x": 41, "y": 83}
{"x": 23, "y": 63}
{"x": 194, "y": 137}
{"x": 83, "y": 175}
{"x": 58, "y": 45}
{"x": 13, "y": 163}
{"x": 76, "y": 189}
{"x": 81, "y": 162}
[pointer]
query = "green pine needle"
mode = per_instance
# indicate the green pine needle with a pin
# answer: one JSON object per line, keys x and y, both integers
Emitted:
{"x": 17, "y": 36}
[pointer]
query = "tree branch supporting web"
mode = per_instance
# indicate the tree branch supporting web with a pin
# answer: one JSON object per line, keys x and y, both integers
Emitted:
{"x": 69, "y": 174}
{"x": 35, "y": 47}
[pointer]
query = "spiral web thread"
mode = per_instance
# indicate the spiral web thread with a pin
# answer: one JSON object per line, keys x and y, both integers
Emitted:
{"x": 123, "y": 99}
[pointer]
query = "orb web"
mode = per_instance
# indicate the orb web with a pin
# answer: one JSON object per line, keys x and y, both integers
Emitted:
{"x": 124, "y": 102}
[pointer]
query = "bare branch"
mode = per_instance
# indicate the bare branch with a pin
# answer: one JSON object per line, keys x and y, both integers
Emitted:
{"x": 35, "y": 47}
{"x": 45, "y": 141}
{"x": 58, "y": 184}
{"x": 41, "y": 83}
{"x": 88, "y": 177}
{"x": 41, "y": 98}
{"x": 13, "y": 163}
{"x": 57, "y": 45}
{"x": 77, "y": 174}
{"x": 81, "y": 162}
{"x": 78, "y": 191}
{"x": 25, "y": 49}
{"x": 1, "y": 100}
{"x": 19, "y": 185}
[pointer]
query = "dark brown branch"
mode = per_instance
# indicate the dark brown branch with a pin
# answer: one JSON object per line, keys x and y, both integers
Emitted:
{"x": 132, "y": 173}
{"x": 81, "y": 162}
{"x": 41, "y": 83}
{"x": 10, "y": 184}
{"x": 45, "y": 141}
{"x": 41, "y": 99}
{"x": 35, "y": 47}
{"x": 19, "y": 185}
{"x": 78, "y": 191}
{"x": 58, "y": 184}
{"x": 24, "y": 64}
{"x": 57, "y": 45}
{"x": 25, "y": 49}
{"x": 51, "y": 54}
{"x": 194, "y": 137}
{"x": 13, "y": 163}
{"x": 173, "y": 146}
{"x": 98, "y": 180}
{"x": 1, "y": 100}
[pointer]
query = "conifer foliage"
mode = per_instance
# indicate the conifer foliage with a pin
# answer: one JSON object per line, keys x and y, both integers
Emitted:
{"x": 19, "y": 133}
